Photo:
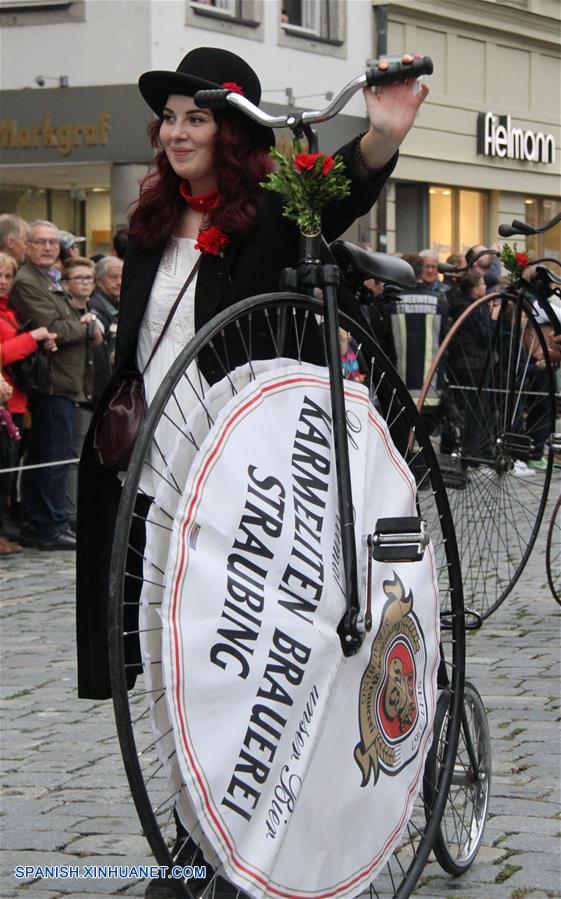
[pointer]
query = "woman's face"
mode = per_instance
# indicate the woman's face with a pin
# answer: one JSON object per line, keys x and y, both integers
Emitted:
{"x": 187, "y": 136}
{"x": 6, "y": 278}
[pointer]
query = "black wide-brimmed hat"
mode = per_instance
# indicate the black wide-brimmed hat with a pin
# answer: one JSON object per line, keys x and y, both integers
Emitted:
{"x": 207, "y": 68}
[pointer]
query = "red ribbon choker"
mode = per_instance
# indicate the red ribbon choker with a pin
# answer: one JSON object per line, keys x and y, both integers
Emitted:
{"x": 202, "y": 202}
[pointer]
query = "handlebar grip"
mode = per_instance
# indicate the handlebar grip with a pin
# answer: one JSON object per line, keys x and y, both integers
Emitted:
{"x": 212, "y": 99}
{"x": 507, "y": 231}
{"x": 400, "y": 71}
{"x": 445, "y": 268}
{"x": 516, "y": 227}
{"x": 523, "y": 227}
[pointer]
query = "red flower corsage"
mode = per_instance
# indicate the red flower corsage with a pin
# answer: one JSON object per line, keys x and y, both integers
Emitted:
{"x": 212, "y": 241}
{"x": 522, "y": 260}
{"x": 232, "y": 86}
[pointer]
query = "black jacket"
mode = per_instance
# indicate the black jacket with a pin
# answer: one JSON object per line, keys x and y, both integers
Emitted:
{"x": 249, "y": 266}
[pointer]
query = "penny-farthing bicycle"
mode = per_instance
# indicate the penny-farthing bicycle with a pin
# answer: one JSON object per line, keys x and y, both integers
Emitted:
{"x": 290, "y": 644}
{"x": 498, "y": 413}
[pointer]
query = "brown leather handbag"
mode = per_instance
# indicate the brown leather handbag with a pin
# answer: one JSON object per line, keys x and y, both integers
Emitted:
{"x": 118, "y": 425}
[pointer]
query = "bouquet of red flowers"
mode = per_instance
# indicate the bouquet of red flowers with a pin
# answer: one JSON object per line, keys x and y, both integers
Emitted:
{"x": 307, "y": 182}
{"x": 514, "y": 262}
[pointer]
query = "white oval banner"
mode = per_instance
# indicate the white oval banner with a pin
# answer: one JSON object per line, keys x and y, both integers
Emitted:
{"x": 301, "y": 765}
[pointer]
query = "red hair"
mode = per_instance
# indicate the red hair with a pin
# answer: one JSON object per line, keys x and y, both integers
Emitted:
{"x": 240, "y": 166}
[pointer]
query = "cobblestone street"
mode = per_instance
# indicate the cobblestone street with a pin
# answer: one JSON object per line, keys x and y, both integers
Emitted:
{"x": 65, "y": 798}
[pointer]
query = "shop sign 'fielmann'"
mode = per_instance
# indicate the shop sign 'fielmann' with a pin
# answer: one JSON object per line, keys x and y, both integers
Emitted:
{"x": 497, "y": 137}
{"x": 62, "y": 138}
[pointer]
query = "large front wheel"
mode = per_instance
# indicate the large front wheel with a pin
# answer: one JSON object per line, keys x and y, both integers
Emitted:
{"x": 260, "y": 358}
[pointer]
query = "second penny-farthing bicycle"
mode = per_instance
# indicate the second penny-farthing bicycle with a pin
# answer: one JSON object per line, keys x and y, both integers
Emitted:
{"x": 497, "y": 413}
{"x": 294, "y": 647}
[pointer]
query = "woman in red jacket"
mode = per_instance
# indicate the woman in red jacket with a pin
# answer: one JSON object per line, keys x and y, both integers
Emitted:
{"x": 15, "y": 344}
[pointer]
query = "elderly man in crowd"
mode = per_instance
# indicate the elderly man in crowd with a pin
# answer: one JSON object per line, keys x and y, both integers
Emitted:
{"x": 41, "y": 301}
{"x": 104, "y": 301}
{"x": 14, "y": 234}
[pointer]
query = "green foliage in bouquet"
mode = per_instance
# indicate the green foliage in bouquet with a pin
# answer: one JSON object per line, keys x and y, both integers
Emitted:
{"x": 307, "y": 182}
{"x": 514, "y": 262}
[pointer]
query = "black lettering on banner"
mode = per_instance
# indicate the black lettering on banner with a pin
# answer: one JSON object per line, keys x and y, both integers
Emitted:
{"x": 305, "y": 484}
{"x": 285, "y": 662}
{"x": 302, "y": 733}
{"x": 260, "y": 712}
{"x": 254, "y": 599}
{"x": 245, "y": 580}
{"x": 235, "y": 786}
{"x": 241, "y": 635}
{"x": 294, "y": 583}
{"x": 224, "y": 649}
{"x": 275, "y": 692}
{"x": 235, "y": 559}
{"x": 285, "y": 796}
{"x": 265, "y": 484}
{"x": 251, "y": 544}
{"x": 253, "y": 736}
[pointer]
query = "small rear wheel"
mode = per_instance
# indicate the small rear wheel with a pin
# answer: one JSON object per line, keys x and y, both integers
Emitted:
{"x": 460, "y": 832}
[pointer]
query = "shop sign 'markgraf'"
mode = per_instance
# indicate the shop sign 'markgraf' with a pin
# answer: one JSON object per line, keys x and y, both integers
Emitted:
{"x": 62, "y": 138}
{"x": 496, "y": 136}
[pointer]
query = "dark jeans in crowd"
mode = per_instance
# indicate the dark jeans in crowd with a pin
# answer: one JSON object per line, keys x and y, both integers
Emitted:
{"x": 81, "y": 425}
{"x": 44, "y": 489}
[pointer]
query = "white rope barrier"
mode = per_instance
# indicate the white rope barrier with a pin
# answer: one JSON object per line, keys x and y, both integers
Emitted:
{"x": 39, "y": 465}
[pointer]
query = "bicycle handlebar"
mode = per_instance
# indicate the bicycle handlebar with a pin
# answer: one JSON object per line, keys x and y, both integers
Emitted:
{"x": 444, "y": 268}
{"x": 523, "y": 228}
{"x": 221, "y": 98}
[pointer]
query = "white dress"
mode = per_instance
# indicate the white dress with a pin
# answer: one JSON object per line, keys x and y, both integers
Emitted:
{"x": 177, "y": 261}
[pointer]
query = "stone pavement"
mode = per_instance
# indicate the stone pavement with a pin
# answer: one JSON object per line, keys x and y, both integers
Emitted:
{"x": 65, "y": 799}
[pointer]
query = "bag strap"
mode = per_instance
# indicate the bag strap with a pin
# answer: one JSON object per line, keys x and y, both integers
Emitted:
{"x": 172, "y": 312}
{"x": 11, "y": 322}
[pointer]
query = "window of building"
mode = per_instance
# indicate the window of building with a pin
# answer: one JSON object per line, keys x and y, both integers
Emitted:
{"x": 539, "y": 211}
{"x": 318, "y": 22}
{"x": 233, "y": 16}
{"x": 447, "y": 219}
{"x": 40, "y": 12}
{"x": 456, "y": 219}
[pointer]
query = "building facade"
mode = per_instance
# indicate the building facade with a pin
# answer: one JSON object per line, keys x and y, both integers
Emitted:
{"x": 485, "y": 148}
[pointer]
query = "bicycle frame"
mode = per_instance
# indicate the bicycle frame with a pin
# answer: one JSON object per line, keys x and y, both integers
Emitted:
{"x": 312, "y": 273}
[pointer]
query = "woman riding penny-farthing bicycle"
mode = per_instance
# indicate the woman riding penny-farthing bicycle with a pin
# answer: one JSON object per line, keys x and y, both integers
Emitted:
{"x": 275, "y": 651}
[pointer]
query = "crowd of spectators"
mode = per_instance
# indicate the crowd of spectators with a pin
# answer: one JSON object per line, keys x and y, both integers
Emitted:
{"x": 56, "y": 302}
{"x": 58, "y": 317}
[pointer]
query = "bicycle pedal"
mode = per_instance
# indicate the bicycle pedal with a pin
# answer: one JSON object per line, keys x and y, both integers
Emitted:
{"x": 399, "y": 540}
{"x": 519, "y": 445}
{"x": 554, "y": 442}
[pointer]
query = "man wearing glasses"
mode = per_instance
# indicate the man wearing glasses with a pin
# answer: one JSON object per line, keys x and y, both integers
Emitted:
{"x": 41, "y": 301}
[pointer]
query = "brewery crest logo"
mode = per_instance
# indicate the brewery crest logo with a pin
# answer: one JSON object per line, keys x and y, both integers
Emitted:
{"x": 392, "y": 701}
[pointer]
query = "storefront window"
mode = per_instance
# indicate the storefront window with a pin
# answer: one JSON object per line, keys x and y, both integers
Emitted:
{"x": 471, "y": 219}
{"x": 441, "y": 221}
{"x": 456, "y": 219}
{"x": 539, "y": 211}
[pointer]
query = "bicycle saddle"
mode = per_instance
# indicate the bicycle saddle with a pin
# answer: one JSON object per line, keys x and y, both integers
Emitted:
{"x": 380, "y": 266}
{"x": 547, "y": 274}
